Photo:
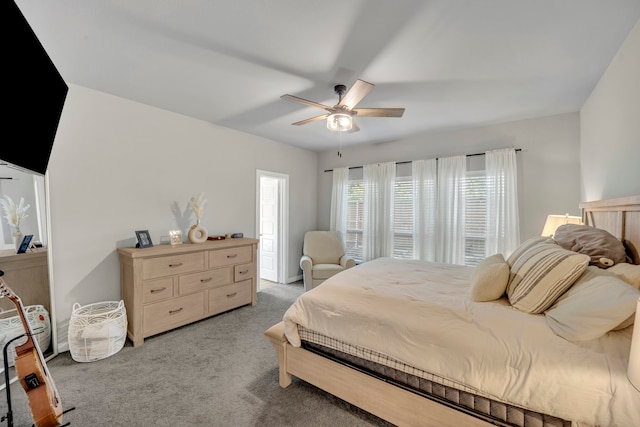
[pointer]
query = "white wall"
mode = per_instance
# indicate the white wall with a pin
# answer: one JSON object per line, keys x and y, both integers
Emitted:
{"x": 118, "y": 166}
{"x": 610, "y": 128}
{"x": 548, "y": 163}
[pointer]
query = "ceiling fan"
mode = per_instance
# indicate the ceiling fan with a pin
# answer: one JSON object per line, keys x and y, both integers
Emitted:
{"x": 340, "y": 116}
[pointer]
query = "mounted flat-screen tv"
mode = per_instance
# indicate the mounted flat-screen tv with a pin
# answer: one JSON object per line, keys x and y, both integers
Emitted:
{"x": 33, "y": 94}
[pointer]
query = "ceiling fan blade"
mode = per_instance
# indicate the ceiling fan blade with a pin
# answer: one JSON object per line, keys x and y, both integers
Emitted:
{"x": 359, "y": 90}
{"x": 306, "y": 102}
{"x": 379, "y": 112}
{"x": 312, "y": 119}
{"x": 354, "y": 127}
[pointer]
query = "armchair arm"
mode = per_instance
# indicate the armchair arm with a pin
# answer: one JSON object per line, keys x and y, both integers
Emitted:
{"x": 347, "y": 262}
{"x": 306, "y": 263}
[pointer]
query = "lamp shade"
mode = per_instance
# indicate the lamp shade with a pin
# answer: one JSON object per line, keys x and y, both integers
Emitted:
{"x": 339, "y": 122}
{"x": 555, "y": 221}
{"x": 633, "y": 372}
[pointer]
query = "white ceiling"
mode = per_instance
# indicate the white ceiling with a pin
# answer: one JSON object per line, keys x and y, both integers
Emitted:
{"x": 450, "y": 63}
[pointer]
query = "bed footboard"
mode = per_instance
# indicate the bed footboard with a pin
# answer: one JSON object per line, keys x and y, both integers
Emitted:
{"x": 391, "y": 403}
{"x": 275, "y": 335}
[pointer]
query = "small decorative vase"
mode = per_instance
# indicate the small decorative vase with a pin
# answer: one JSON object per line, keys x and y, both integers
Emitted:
{"x": 197, "y": 233}
{"x": 17, "y": 238}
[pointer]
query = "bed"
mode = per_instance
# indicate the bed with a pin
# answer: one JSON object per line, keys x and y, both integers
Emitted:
{"x": 458, "y": 362}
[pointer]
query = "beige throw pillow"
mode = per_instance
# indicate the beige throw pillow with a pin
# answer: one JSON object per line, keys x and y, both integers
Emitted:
{"x": 489, "y": 279}
{"x": 525, "y": 246}
{"x": 630, "y": 273}
{"x": 596, "y": 304}
{"x": 540, "y": 274}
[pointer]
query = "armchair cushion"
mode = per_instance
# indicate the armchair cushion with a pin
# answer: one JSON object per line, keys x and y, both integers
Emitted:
{"x": 324, "y": 271}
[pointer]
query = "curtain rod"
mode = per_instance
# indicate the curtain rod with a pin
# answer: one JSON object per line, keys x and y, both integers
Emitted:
{"x": 409, "y": 161}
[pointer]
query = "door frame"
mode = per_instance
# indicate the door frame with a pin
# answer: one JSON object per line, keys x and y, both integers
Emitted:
{"x": 282, "y": 216}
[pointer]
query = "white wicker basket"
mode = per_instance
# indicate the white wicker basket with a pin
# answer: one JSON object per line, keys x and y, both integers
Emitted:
{"x": 97, "y": 330}
{"x": 11, "y": 326}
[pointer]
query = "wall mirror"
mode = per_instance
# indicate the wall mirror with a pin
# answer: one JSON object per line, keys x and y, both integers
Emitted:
{"x": 26, "y": 274}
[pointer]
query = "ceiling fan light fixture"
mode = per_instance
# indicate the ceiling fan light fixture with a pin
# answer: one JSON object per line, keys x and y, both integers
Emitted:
{"x": 339, "y": 122}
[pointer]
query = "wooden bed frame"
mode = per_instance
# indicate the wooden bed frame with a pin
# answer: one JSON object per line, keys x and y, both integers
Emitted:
{"x": 621, "y": 217}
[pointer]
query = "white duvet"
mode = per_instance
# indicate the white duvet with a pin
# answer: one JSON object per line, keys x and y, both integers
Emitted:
{"x": 420, "y": 313}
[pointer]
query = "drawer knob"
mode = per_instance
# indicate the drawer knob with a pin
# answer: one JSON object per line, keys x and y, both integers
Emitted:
{"x": 232, "y": 295}
{"x": 153, "y": 291}
{"x": 175, "y": 311}
{"x": 232, "y": 256}
{"x": 175, "y": 265}
{"x": 208, "y": 279}
{"x": 243, "y": 272}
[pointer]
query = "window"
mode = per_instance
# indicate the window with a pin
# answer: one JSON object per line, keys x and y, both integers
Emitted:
{"x": 475, "y": 194}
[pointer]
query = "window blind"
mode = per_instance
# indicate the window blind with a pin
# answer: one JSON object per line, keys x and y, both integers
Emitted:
{"x": 403, "y": 218}
{"x": 475, "y": 190}
{"x": 355, "y": 220}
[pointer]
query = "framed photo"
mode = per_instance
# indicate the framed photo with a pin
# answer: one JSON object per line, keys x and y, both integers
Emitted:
{"x": 175, "y": 236}
{"x": 26, "y": 242}
{"x": 144, "y": 239}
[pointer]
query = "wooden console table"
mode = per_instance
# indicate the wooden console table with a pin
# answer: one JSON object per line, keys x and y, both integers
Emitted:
{"x": 164, "y": 287}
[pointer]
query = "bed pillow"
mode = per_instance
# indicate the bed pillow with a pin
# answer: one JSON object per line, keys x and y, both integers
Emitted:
{"x": 526, "y": 245}
{"x": 630, "y": 273}
{"x": 489, "y": 279}
{"x": 596, "y": 304}
{"x": 541, "y": 274}
{"x": 601, "y": 246}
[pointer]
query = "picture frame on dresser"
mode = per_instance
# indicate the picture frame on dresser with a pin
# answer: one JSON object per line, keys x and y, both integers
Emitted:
{"x": 144, "y": 239}
{"x": 175, "y": 237}
{"x": 24, "y": 245}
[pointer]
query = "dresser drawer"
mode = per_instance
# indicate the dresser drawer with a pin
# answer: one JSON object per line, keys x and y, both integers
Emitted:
{"x": 231, "y": 256}
{"x": 243, "y": 272}
{"x": 193, "y": 282}
{"x": 157, "y": 290}
{"x": 228, "y": 297}
{"x": 172, "y": 313}
{"x": 169, "y": 265}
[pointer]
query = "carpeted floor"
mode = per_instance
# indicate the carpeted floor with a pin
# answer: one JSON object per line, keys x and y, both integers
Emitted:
{"x": 217, "y": 372}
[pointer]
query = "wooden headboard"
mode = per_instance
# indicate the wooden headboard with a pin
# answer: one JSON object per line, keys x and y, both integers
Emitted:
{"x": 620, "y": 217}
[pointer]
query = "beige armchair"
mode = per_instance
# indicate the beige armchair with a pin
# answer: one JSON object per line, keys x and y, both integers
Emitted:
{"x": 323, "y": 256}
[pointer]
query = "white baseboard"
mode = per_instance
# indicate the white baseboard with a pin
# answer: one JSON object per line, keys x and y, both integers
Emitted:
{"x": 294, "y": 278}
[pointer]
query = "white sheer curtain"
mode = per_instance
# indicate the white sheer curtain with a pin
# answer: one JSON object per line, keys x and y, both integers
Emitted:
{"x": 424, "y": 175}
{"x": 339, "y": 200}
{"x": 379, "y": 182}
{"x": 503, "y": 230}
{"x": 450, "y": 229}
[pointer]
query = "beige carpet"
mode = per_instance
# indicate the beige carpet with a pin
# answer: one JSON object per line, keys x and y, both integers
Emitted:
{"x": 217, "y": 372}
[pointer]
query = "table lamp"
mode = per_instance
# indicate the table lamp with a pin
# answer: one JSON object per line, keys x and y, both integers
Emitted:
{"x": 555, "y": 221}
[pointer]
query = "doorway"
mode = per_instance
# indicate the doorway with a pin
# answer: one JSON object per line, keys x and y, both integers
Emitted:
{"x": 272, "y": 208}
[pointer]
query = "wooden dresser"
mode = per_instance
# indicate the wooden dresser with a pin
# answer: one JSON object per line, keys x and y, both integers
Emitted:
{"x": 27, "y": 275}
{"x": 166, "y": 286}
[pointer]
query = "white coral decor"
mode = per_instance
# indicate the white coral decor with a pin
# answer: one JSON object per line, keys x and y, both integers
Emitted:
{"x": 12, "y": 212}
{"x": 197, "y": 204}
